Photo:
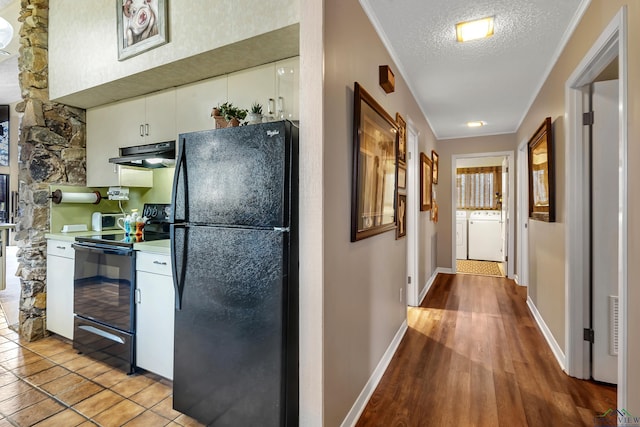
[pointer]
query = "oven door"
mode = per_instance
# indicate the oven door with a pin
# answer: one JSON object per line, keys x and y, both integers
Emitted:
{"x": 104, "y": 285}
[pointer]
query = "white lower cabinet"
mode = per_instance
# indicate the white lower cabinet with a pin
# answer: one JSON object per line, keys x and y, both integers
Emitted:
{"x": 60, "y": 267}
{"x": 154, "y": 313}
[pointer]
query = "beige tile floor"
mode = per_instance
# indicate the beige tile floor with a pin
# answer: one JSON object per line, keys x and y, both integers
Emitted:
{"x": 46, "y": 383}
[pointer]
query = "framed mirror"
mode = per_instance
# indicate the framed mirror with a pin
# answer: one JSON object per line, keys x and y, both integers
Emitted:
{"x": 541, "y": 174}
{"x": 373, "y": 197}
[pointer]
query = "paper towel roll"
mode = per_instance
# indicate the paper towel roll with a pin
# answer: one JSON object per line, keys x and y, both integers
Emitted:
{"x": 66, "y": 197}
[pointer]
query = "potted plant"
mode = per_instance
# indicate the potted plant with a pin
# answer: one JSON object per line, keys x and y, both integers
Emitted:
{"x": 255, "y": 114}
{"x": 231, "y": 115}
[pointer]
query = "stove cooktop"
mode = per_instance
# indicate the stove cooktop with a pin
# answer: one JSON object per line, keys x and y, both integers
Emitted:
{"x": 156, "y": 228}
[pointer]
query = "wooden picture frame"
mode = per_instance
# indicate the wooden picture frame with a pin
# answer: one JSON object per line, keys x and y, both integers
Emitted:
{"x": 373, "y": 200}
{"x": 541, "y": 174}
{"x": 435, "y": 159}
{"x": 402, "y": 138}
{"x": 402, "y": 176}
{"x": 135, "y": 38}
{"x": 401, "y": 208}
{"x": 426, "y": 175}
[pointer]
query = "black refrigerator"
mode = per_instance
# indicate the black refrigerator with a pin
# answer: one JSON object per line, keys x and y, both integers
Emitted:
{"x": 234, "y": 249}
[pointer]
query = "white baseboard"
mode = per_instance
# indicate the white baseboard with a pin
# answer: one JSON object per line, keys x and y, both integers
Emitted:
{"x": 555, "y": 348}
{"x": 361, "y": 402}
{"x": 427, "y": 286}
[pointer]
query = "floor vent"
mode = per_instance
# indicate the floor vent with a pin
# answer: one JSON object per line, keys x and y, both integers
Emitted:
{"x": 613, "y": 325}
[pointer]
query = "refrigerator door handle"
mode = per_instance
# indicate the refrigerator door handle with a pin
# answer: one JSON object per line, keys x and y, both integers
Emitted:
{"x": 178, "y": 276}
{"x": 180, "y": 171}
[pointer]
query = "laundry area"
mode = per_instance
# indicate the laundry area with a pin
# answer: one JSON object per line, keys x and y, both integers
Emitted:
{"x": 481, "y": 216}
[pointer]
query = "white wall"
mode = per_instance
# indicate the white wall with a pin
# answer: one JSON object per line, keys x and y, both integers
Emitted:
{"x": 83, "y": 48}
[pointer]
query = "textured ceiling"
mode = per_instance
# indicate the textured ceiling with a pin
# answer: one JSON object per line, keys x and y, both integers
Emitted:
{"x": 494, "y": 79}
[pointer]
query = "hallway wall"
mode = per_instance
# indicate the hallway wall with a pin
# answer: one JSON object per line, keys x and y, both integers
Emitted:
{"x": 362, "y": 310}
{"x": 547, "y": 240}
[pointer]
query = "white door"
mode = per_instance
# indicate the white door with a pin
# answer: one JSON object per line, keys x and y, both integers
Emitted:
{"x": 604, "y": 231}
{"x": 523, "y": 214}
{"x": 413, "y": 285}
{"x": 504, "y": 213}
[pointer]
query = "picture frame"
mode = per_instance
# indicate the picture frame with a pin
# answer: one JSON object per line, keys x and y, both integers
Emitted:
{"x": 435, "y": 159}
{"x": 140, "y": 28}
{"x": 402, "y": 176}
{"x": 402, "y": 138}
{"x": 373, "y": 200}
{"x": 4, "y": 135}
{"x": 426, "y": 176}
{"x": 401, "y": 230}
{"x": 542, "y": 174}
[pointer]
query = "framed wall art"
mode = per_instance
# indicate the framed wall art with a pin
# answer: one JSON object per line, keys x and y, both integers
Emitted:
{"x": 4, "y": 135}
{"x": 401, "y": 230}
{"x": 435, "y": 159}
{"x": 142, "y": 25}
{"x": 373, "y": 200}
{"x": 541, "y": 174}
{"x": 402, "y": 138}
{"x": 402, "y": 176}
{"x": 426, "y": 175}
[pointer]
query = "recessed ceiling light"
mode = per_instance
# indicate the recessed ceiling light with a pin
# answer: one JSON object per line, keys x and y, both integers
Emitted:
{"x": 472, "y": 30}
{"x": 476, "y": 124}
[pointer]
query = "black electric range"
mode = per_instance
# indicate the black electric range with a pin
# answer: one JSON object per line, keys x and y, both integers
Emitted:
{"x": 104, "y": 287}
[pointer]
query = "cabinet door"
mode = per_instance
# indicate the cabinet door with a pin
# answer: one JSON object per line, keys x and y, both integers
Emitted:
{"x": 110, "y": 127}
{"x": 253, "y": 85}
{"x": 154, "y": 323}
{"x": 194, "y": 104}
{"x": 160, "y": 122}
{"x": 60, "y": 259}
{"x": 288, "y": 88}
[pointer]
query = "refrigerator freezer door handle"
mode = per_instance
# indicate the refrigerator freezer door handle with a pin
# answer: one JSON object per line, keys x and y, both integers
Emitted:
{"x": 178, "y": 282}
{"x": 179, "y": 172}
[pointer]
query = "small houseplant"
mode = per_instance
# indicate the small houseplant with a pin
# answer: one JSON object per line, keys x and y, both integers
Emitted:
{"x": 255, "y": 114}
{"x": 228, "y": 115}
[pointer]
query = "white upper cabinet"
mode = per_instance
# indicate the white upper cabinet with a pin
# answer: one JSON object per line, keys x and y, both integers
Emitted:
{"x": 137, "y": 121}
{"x": 195, "y": 102}
{"x": 253, "y": 85}
{"x": 288, "y": 89}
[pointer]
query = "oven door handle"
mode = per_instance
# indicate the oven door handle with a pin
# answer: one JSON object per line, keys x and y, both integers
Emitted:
{"x": 102, "y": 250}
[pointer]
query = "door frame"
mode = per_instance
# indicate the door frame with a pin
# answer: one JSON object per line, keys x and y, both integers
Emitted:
{"x": 522, "y": 277}
{"x": 511, "y": 205}
{"x": 610, "y": 44}
{"x": 413, "y": 288}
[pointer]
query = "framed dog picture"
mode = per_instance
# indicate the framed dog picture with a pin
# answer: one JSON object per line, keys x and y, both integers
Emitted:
{"x": 142, "y": 25}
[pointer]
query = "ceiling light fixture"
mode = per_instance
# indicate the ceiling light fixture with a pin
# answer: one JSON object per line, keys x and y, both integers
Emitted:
{"x": 476, "y": 124}
{"x": 472, "y": 30}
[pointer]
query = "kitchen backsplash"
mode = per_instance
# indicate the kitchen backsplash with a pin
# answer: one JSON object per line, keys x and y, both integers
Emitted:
{"x": 80, "y": 213}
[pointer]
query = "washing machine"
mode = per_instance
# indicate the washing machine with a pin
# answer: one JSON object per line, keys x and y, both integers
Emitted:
{"x": 461, "y": 234}
{"x": 485, "y": 236}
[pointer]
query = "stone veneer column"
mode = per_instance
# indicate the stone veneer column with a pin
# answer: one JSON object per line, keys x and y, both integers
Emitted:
{"x": 52, "y": 151}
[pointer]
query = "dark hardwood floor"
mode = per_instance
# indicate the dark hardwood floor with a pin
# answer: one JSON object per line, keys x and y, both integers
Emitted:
{"x": 473, "y": 356}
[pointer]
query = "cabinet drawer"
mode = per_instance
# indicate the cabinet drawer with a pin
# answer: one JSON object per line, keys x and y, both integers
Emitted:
{"x": 60, "y": 248}
{"x": 153, "y": 263}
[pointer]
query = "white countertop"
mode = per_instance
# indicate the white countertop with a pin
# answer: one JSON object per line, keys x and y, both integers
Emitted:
{"x": 156, "y": 246}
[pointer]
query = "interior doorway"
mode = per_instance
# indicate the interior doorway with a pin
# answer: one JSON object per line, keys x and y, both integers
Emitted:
{"x": 482, "y": 206}
{"x": 610, "y": 47}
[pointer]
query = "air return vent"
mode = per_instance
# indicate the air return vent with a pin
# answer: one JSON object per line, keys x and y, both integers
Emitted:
{"x": 613, "y": 325}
